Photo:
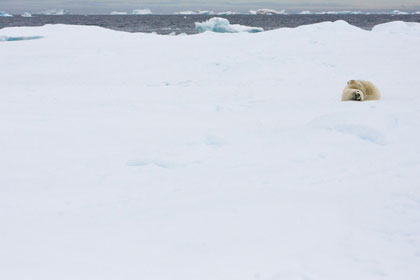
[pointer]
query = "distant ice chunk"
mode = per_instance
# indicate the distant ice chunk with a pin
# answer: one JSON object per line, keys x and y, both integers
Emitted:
{"x": 340, "y": 13}
{"x": 142, "y": 12}
{"x": 398, "y": 12}
{"x": 118, "y": 13}
{"x": 267, "y": 12}
{"x": 227, "y": 13}
{"x": 205, "y": 12}
{"x": 222, "y": 25}
{"x": 26, "y": 14}
{"x": 305, "y": 13}
{"x": 4, "y": 14}
{"x": 186, "y": 13}
{"x": 56, "y": 12}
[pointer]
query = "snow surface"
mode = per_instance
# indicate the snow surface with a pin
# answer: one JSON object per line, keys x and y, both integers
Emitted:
{"x": 142, "y": 12}
{"x": 228, "y": 157}
{"x": 4, "y": 14}
{"x": 222, "y": 25}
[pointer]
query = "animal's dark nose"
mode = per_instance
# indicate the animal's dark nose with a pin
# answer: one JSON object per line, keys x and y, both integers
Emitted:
{"x": 357, "y": 94}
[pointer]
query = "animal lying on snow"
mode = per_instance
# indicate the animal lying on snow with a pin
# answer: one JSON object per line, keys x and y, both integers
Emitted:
{"x": 359, "y": 90}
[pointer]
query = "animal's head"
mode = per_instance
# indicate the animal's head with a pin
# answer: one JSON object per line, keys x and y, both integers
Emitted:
{"x": 357, "y": 95}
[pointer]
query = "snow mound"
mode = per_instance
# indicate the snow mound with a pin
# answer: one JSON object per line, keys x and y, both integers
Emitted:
{"x": 398, "y": 27}
{"x": 26, "y": 14}
{"x": 222, "y": 25}
{"x": 4, "y": 14}
{"x": 142, "y": 12}
{"x": 56, "y": 12}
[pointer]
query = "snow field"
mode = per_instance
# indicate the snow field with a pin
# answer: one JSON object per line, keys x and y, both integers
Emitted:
{"x": 211, "y": 156}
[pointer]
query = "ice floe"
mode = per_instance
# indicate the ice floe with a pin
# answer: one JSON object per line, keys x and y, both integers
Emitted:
{"x": 222, "y": 25}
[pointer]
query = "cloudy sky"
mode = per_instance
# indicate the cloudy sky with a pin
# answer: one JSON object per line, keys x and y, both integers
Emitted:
{"x": 106, "y": 6}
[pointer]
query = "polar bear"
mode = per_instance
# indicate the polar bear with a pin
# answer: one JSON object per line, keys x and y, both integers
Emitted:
{"x": 360, "y": 90}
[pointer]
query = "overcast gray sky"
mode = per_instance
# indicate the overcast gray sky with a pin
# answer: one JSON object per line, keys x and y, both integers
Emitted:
{"x": 106, "y": 6}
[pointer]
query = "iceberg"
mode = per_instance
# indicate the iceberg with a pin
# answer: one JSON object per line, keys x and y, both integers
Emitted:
{"x": 267, "y": 12}
{"x": 228, "y": 13}
{"x": 305, "y": 13}
{"x": 186, "y": 13}
{"x": 26, "y": 14}
{"x": 4, "y": 14}
{"x": 222, "y": 25}
{"x": 397, "y": 12}
{"x": 142, "y": 12}
{"x": 118, "y": 13}
{"x": 56, "y": 12}
{"x": 340, "y": 13}
{"x": 205, "y": 12}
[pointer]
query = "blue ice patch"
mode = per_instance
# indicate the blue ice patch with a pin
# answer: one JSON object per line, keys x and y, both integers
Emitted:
{"x": 7, "y": 39}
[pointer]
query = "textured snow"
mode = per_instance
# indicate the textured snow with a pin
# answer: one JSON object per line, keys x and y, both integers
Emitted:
{"x": 142, "y": 12}
{"x": 230, "y": 156}
{"x": 222, "y": 25}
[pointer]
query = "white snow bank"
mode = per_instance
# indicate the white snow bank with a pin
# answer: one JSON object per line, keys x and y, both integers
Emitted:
{"x": 222, "y": 25}
{"x": 142, "y": 12}
{"x": 230, "y": 156}
{"x": 4, "y": 14}
{"x": 26, "y": 14}
{"x": 398, "y": 28}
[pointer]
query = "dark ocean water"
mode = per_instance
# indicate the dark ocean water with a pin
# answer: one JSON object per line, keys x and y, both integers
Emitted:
{"x": 165, "y": 24}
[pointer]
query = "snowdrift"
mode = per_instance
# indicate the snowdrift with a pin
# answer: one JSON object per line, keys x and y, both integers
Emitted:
{"x": 230, "y": 156}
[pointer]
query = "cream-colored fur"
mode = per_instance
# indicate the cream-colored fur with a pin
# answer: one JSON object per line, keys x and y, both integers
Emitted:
{"x": 359, "y": 90}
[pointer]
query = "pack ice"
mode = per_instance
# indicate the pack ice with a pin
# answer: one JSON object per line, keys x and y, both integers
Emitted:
{"x": 210, "y": 156}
